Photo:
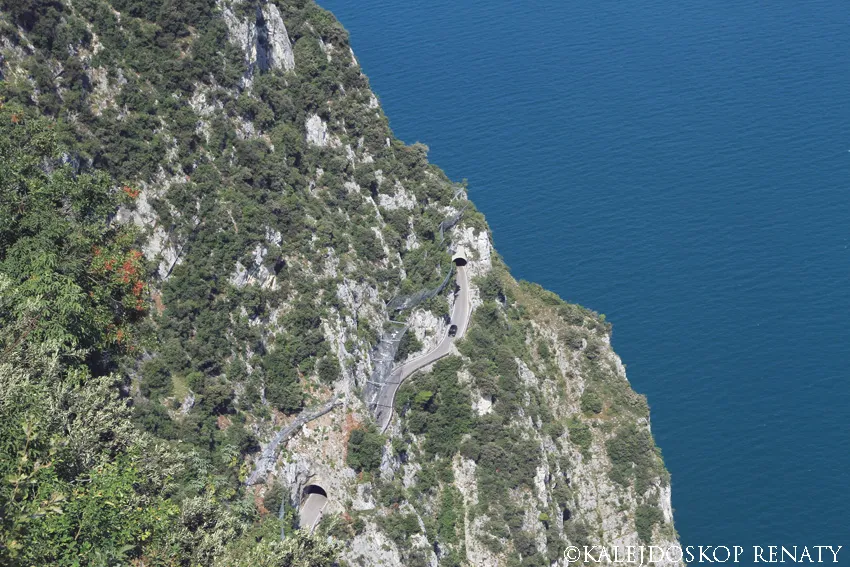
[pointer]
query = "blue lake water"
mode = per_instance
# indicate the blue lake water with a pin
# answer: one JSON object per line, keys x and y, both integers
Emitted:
{"x": 683, "y": 167}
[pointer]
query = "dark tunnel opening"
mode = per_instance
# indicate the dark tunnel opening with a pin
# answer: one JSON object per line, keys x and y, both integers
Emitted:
{"x": 313, "y": 489}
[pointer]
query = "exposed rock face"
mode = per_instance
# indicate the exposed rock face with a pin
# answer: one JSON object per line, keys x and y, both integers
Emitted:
{"x": 317, "y": 131}
{"x": 275, "y": 49}
{"x": 478, "y": 247}
{"x": 262, "y": 38}
{"x": 428, "y": 328}
{"x": 255, "y": 274}
{"x": 401, "y": 199}
{"x": 159, "y": 244}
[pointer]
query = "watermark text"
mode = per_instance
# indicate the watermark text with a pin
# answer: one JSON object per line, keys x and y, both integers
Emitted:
{"x": 655, "y": 554}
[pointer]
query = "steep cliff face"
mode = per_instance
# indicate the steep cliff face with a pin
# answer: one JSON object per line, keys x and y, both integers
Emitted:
{"x": 283, "y": 224}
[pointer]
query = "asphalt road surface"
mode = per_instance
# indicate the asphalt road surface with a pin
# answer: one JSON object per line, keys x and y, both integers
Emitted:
{"x": 460, "y": 317}
{"x": 311, "y": 511}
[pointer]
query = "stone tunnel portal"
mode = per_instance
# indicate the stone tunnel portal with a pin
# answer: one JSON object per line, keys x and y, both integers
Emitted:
{"x": 313, "y": 489}
{"x": 459, "y": 257}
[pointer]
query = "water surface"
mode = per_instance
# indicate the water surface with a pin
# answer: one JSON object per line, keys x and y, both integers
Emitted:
{"x": 682, "y": 167}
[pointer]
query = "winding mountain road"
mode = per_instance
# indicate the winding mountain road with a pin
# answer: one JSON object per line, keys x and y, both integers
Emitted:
{"x": 460, "y": 317}
{"x": 310, "y": 511}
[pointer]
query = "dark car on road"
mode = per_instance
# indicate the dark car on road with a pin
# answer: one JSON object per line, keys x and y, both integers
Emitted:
{"x": 453, "y": 330}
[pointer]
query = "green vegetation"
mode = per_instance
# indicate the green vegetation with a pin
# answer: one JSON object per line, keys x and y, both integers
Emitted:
{"x": 407, "y": 345}
{"x": 69, "y": 277}
{"x": 580, "y": 435}
{"x": 82, "y": 485}
{"x": 591, "y": 402}
{"x": 437, "y": 407}
{"x": 79, "y": 498}
{"x": 365, "y": 447}
{"x": 400, "y": 527}
{"x": 450, "y": 515}
{"x": 634, "y": 457}
{"x": 646, "y": 517}
{"x": 262, "y": 547}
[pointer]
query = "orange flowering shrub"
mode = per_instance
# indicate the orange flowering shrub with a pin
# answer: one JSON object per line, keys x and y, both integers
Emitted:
{"x": 131, "y": 192}
{"x": 120, "y": 272}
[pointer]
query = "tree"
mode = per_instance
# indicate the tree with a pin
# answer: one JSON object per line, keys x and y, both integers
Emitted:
{"x": 264, "y": 548}
{"x": 365, "y": 447}
{"x": 72, "y": 279}
{"x": 76, "y": 489}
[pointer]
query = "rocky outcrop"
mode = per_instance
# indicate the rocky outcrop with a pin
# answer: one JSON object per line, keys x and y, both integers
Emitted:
{"x": 317, "y": 131}
{"x": 160, "y": 245}
{"x": 400, "y": 199}
{"x": 269, "y": 454}
{"x": 262, "y": 38}
{"x": 478, "y": 247}
{"x": 428, "y": 328}
{"x": 255, "y": 274}
{"x": 274, "y": 48}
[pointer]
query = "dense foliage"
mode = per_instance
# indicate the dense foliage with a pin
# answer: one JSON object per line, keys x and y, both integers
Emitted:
{"x": 70, "y": 278}
{"x": 364, "y": 449}
{"x": 438, "y": 407}
{"x": 81, "y": 485}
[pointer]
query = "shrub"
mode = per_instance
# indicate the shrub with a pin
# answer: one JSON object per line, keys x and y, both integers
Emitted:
{"x": 329, "y": 369}
{"x": 450, "y": 515}
{"x": 273, "y": 498}
{"x": 440, "y": 407}
{"x": 491, "y": 287}
{"x": 407, "y": 345}
{"x": 580, "y": 435}
{"x": 399, "y": 527}
{"x": 365, "y": 447}
{"x": 646, "y": 517}
{"x": 525, "y": 544}
{"x": 591, "y": 402}
{"x": 283, "y": 389}
{"x": 573, "y": 337}
{"x": 156, "y": 380}
{"x": 366, "y": 243}
{"x": 285, "y": 395}
{"x": 577, "y": 533}
{"x": 632, "y": 454}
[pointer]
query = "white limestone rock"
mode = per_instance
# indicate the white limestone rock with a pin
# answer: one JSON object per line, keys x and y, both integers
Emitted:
{"x": 483, "y": 405}
{"x": 159, "y": 243}
{"x": 401, "y": 199}
{"x": 317, "y": 131}
{"x": 262, "y": 38}
{"x": 256, "y": 274}
{"x": 428, "y": 328}
{"x": 478, "y": 248}
{"x": 280, "y": 55}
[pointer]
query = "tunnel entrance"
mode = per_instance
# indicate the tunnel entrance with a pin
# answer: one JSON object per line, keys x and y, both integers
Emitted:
{"x": 313, "y": 489}
{"x": 459, "y": 257}
{"x": 314, "y": 498}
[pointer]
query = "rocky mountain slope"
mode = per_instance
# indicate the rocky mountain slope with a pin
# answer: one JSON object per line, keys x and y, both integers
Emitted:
{"x": 292, "y": 250}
